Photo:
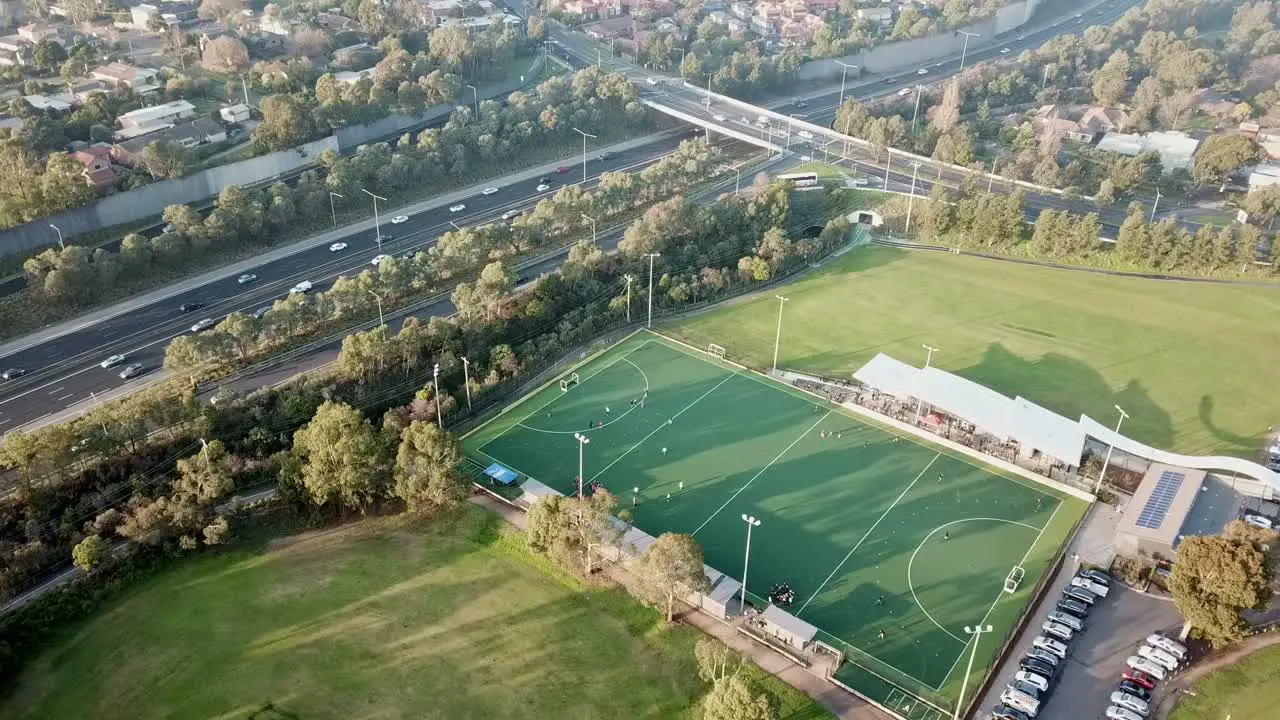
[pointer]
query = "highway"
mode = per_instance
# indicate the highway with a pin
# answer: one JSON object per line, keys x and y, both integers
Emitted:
{"x": 62, "y": 371}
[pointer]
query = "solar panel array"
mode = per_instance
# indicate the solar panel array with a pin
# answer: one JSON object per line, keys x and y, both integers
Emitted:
{"x": 1157, "y": 507}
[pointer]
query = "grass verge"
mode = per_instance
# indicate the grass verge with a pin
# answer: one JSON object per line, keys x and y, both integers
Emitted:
{"x": 1247, "y": 690}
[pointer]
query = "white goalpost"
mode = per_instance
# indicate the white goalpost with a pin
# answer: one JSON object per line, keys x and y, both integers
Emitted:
{"x": 716, "y": 350}
{"x": 1014, "y": 578}
{"x": 568, "y": 382}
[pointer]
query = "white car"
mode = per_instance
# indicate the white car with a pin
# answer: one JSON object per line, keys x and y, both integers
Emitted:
{"x": 247, "y": 278}
{"x": 1054, "y": 646}
{"x": 337, "y": 247}
{"x": 718, "y": 118}
{"x": 1020, "y": 701}
{"x": 378, "y": 259}
{"x": 1115, "y": 712}
{"x": 651, "y": 81}
{"x": 1144, "y": 665}
{"x": 860, "y": 182}
{"x": 1172, "y": 647}
{"x": 1159, "y": 657}
{"x": 489, "y": 191}
{"x": 922, "y": 71}
{"x": 805, "y": 134}
{"x": 457, "y": 208}
{"x": 543, "y": 187}
{"x": 1038, "y": 682}
{"x": 1094, "y": 587}
{"x": 511, "y": 214}
{"x": 1259, "y": 521}
{"x": 1005, "y": 51}
{"x": 399, "y": 219}
{"x": 202, "y": 325}
{"x": 1058, "y": 630}
{"x": 302, "y": 287}
{"x": 1130, "y": 702}
{"x": 112, "y": 361}
{"x": 904, "y": 92}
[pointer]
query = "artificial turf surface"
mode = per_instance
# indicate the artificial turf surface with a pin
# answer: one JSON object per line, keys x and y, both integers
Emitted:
{"x": 1248, "y": 689}
{"x": 874, "y": 532}
{"x": 377, "y": 619}
{"x": 1193, "y": 364}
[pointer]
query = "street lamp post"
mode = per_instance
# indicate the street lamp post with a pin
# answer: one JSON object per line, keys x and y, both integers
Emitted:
{"x": 777, "y": 338}
{"x": 377, "y": 225}
{"x": 976, "y": 631}
{"x": 681, "y": 61}
{"x": 56, "y": 229}
{"x": 843, "y": 73}
{"x": 751, "y": 522}
{"x": 737, "y": 181}
{"x": 435, "y": 390}
{"x": 332, "y": 212}
{"x": 1110, "y": 446}
{"x": 475, "y": 94}
{"x": 927, "y": 359}
{"x": 630, "y": 279}
{"x": 911, "y": 198}
{"x": 593, "y": 227}
{"x": 888, "y": 162}
{"x": 584, "y": 151}
{"x": 582, "y": 443}
{"x": 1155, "y": 205}
{"x": 466, "y": 380}
{"x": 378, "y": 297}
{"x": 790, "y": 121}
{"x": 709, "y": 90}
{"x": 916, "y": 112}
{"x": 965, "y": 49}
{"x": 651, "y": 257}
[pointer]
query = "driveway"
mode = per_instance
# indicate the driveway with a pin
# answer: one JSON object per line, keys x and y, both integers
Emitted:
{"x": 1117, "y": 624}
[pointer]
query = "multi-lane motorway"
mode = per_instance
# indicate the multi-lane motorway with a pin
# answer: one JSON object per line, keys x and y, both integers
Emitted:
{"x": 62, "y": 370}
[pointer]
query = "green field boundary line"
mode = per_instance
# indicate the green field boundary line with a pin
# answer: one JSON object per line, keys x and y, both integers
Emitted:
{"x": 877, "y": 704}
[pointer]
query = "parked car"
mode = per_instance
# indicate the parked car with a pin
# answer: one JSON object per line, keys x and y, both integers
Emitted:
{"x": 1043, "y": 656}
{"x": 1057, "y": 647}
{"x": 1057, "y": 630}
{"x": 246, "y": 278}
{"x": 1130, "y": 702}
{"x": 1096, "y": 588}
{"x": 1259, "y": 521}
{"x": 338, "y": 247}
{"x": 302, "y": 287}
{"x": 1172, "y": 647}
{"x": 1004, "y": 712}
{"x": 1080, "y": 594}
{"x": 203, "y": 324}
{"x": 1025, "y": 688}
{"x": 190, "y": 307}
{"x": 1095, "y": 575}
{"x": 1115, "y": 712}
{"x": 489, "y": 191}
{"x": 1066, "y": 618}
{"x": 111, "y": 361}
{"x": 1159, "y": 657}
{"x": 1134, "y": 689}
{"x": 132, "y": 371}
{"x": 1073, "y": 607}
{"x": 399, "y": 219}
{"x": 457, "y": 208}
{"x": 1039, "y": 682}
{"x": 1037, "y": 666}
{"x": 1138, "y": 677}
{"x": 1146, "y": 666}
{"x": 1020, "y": 701}
{"x": 378, "y": 259}
{"x": 12, "y": 373}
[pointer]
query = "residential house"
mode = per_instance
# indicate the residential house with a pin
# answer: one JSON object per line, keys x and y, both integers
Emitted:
{"x": 98, "y": 170}
{"x": 172, "y": 14}
{"x": 272, "y": 23}
{"x": 198, "y": 132}
{"x": 121, "y": 75}
{"x": 61, "y": 101}
{"x": 1176, "y": 149}
{"x": 352, "y": 55}
{"x": 335, "y": 22}
{"x": 234, "y": 113}
{"x": 1055, "y": 118}
{"x": 349, "y": 77}
{"x": 34, "y": 33}
{"x": 1269, "y": 140}
{"x": 434, "y": 13}
{"x": 1099, "y": 119}
{"x": 150, "y": 119}
{"x": 882, "y": 15}
{"x": 1264, "y": 175}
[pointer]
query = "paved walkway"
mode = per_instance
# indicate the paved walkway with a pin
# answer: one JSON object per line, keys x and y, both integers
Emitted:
{"x": 841, "y": 704}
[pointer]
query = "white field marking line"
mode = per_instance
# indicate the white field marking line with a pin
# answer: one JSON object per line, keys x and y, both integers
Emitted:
{"x": 599, "y": 427}
{"x": 1001, "y": 595}
{"x": 520, "y": 422}
{"x": 933, "y": 532}
{"x": 727, "y": 378}
{"x": 775, "y": 459}
{"x": 867, "y": 534}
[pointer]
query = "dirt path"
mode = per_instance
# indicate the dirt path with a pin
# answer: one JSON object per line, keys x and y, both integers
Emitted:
{"x": 1169, "y": 697}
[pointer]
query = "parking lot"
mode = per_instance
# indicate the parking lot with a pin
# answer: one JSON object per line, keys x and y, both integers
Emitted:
{"x": 1116, "y": 625}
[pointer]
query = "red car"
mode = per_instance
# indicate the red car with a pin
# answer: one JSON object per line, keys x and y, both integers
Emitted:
{"x": 1140, "y": 677}
{"x": 562, "y": 169}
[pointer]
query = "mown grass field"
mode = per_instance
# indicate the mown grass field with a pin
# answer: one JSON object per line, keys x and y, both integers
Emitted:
{"x": 1193, "y": 364}
{"x": 373, "y": 620}
{"x": 1247, "y": 690}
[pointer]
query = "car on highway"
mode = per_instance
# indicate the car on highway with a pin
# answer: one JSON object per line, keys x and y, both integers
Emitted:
{"x": 543, "y": 187}
{"x": 190, "y": 307}
{"x": 653, "y": 81}
{"x": 805, "y": 134}
{"x": 904, "y": 92}
{"x": 562, "y": 169}
{"x": 202, "y": 325}
{"x": 1115, "y": 712}
{"x": 607, "y": 156}
{"x": 378, "y": 259}
{"x": 1134, "y": 689}
{"x": 1039, "y": 682}
{"x": 302, "y": 287}
{"x": 1129, "y": 702}
{"x": 112, "y": 361}
{"x": 12, "y": 373}
{"x": 889, "y": 80}
{"x": 922, "y": 71}
{"x": 1005, "y": 51}
{"x": 489, "y": 191}
{"x": 246, "y": 278}
{"x": 262, "y": 311}
{"x": 719, "y": 118}
{"x": 337, "y": 247}
{"x": 1004, "y": 712}
{"x": 1138, "y": 677}
{"x": 399, "y": 219}
{"x": 860, "y": 182}
{"x": 1144, "y": 665}
{"x": 132, "y": 371}
{"x": 457, "y": 208}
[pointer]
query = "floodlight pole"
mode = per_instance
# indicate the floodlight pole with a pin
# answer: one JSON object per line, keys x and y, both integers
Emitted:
{"x": 777, "y": 339}
{"x": 593, "y": 227}
{"x": 928, "y": 358}
{"x": 377, "y": 226}
{"x": 333, "y": 213}
{"x": 651, "y": 257}
{"x": 466, "y": 380}
{"x": 435, "y": 388}
{"x": 378, "y": 297}
{"x": 582, "y": 443}
{"x": 1155, "y": 205}
{"x": 843, "y": 73}
{"x": 751, "y": 522}
{"x": 61, "y": 245}
{"x": 911, "y": 198}
{"x": 1110, "y": 446}
{"x": 584, "y": 152}
{"x": 976, "y": 631}
{"x": 965, "y": 49}
{"x": 630, "y": 279}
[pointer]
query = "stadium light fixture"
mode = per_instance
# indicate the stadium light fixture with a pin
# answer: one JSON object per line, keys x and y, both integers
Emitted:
{"x": 976, "y": 631}
{"x": 582, "y": 443}
{"x": 1110, "y": 446}
{"x": 751, "y": 522}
